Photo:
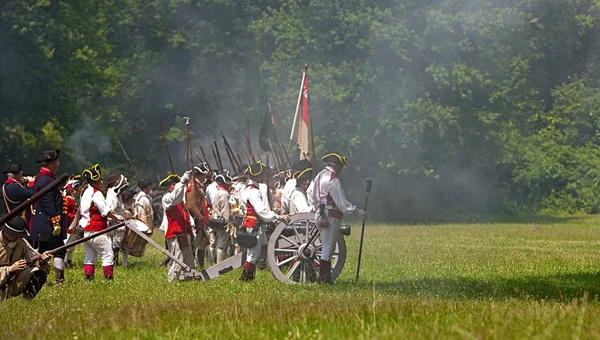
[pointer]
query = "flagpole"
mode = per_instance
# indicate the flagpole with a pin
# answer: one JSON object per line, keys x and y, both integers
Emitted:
{"x": 297, "y": 108}
{"x": 310, "y": 126}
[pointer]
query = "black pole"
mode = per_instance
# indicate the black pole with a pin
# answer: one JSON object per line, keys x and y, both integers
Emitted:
{"x": 368, "y": 183}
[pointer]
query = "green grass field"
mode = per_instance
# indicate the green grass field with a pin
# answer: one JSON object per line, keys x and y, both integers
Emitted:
{"x": 512, "y": 279}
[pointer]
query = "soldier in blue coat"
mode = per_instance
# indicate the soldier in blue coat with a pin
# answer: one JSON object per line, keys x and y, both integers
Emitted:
{"x": 14, "y": 191}
{"x": 49, "y": 220}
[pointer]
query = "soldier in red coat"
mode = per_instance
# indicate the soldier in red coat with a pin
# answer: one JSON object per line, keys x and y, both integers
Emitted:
{"x": 94, "y": 214}
{"x": 178, "y": 223}
{"x": 70, "y": 194}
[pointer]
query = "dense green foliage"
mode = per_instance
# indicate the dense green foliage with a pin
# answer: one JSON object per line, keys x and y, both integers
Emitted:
{"x": 516, "y": 280}
{"x": 450, "y": 105}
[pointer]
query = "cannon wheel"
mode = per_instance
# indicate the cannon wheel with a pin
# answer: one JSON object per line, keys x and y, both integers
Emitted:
{"x": 292, "y": 260}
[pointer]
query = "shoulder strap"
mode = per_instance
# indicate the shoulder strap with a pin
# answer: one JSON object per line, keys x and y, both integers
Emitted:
{"x": 5, "y": 198}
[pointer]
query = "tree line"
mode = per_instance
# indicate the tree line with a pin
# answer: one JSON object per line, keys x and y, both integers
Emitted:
{"x": 451, "y": 106}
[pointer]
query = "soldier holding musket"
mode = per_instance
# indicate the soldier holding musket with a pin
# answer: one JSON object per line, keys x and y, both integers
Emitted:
{"x": 16, "y": 276}
{"x": 49, "y": 220}
{"x": 14, "y": 191}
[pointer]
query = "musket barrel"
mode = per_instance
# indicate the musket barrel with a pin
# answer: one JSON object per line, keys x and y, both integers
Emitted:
{"x": 17, "y": 211}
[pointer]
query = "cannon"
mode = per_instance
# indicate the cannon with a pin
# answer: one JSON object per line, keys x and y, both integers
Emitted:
{"x": 293, "y": 253}
{"x": 294, "y": 250}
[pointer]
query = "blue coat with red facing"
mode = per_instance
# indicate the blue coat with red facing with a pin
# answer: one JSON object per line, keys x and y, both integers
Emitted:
{"x": 50, "y": 205}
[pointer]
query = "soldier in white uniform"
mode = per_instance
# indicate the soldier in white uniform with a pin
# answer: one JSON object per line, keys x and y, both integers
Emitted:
{"x": 330, "y": 205}
{"x": 290, "y": 185}
{"x": 257, "y": 215}
{"x": 221, "y": 215}
{"x": 298, "y": 198}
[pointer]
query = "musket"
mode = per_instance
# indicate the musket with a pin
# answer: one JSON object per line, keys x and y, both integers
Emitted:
{"x": 128, "y": 159}
{"x": 76, "y": 242}
{"x": 218, "y": 153}
{"x": 164, "y": 138}
{"x": 215, "y": 156}
{"x": 249, "y": 149}
{"x": 26, "y": 204}
{"x": 231, "y": 159}
{"x": 204, "y": 157}
{"x": 239, "y": 160}
{"x": 187, "y": 143}
{"x": 274, "y": 156}
{"x": 198, "y": 156}
{"x": 238, "y": 165}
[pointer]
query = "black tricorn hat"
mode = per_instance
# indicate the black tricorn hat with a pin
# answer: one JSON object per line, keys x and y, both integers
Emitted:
{"x": 172, "y": 178}
{"x": 300, "y": 175}
{"x": 47, "y": 156}
{"x": 200, "y": 169}
{"x": 16, "y": 227}
{"x": 12, "y": 169}
{"x": 301, "y": 165}
{"x": 335, "y": 158}
{"x": 255, "y": 169}
{"x": 127, "y": 195}
{"x": 224, "y": 178}
{"x": 144, "y": 184}
{"x": 93, "y": 173}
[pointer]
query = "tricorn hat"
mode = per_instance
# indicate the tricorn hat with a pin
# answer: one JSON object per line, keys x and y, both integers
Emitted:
{"x": 16, "y": 227}
{"x": 200, "y": 169}
{"x": 301, "y": 165}
{"x": 255, "y": 169}
{"x": 224, "y": 178}
{"x": 127, "y": 195}
{"x": 47, "y": 156}
{"x": 144, "y": 184}
{"x": 93, "y": 173}
{"x": 300, "y": 175}
{"x": 12, "y": 169}
{"x": 335, "y": 158}
{"x": 172, "y": 178}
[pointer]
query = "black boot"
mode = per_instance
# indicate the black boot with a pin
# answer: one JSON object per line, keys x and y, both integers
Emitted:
{"x": 325, "y": 272}
{"x": 68, "y": 264}
{"x": 33, "y": 287}
{"x": 248, "y": 273}
{"x": 59, "y": 276}
{"x": 116, "y": 260}
{"x": 164, "y": 262}
{"x": 200, "y": 257}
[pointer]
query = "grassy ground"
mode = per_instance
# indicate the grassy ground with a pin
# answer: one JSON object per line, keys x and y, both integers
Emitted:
{"x": 512, "y": 279}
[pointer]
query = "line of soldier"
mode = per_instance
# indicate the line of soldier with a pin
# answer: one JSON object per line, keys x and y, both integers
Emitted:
{"x": 199, "y": 210}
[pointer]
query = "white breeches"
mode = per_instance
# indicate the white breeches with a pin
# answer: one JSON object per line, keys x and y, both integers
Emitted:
{"x": 100, "y": 245}
{"x": 254, "y": 252}
{"x": 329, "y": 236}
{"x": 70, "y": 239}
{"x": 186, "y": 255}
{"x": 221, "y": 238}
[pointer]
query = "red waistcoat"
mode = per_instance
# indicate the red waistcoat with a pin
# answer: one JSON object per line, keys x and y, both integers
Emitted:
{"x": 178, "y": 220}
{"x": 251, "y": 218}
{"x": 97, "y": 222}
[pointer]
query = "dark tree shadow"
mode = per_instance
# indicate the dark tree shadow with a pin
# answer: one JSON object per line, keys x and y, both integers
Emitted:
{"x": 563, "y": 287}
